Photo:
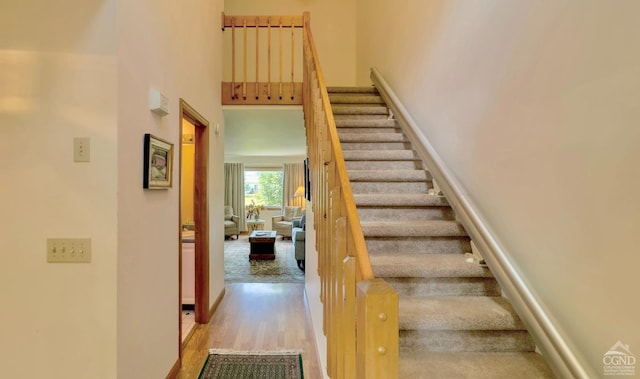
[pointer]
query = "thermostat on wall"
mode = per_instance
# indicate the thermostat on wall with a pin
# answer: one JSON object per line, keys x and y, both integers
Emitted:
{"x": 158, "y": 103}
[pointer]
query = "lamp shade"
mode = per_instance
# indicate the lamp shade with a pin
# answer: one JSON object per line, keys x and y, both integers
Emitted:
{"x": 299, "y": 192}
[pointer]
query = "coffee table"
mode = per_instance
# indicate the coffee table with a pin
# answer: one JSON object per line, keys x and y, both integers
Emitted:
{"x": 263, "y": 244}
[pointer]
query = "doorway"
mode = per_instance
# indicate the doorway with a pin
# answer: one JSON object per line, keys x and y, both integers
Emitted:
{"x": 194, "y": 221}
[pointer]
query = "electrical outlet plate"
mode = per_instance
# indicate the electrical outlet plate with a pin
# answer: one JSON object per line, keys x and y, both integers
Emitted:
{"x": 69, "y": 250}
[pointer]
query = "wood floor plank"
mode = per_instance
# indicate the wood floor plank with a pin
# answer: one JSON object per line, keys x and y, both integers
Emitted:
{"x": 256, "y": 317}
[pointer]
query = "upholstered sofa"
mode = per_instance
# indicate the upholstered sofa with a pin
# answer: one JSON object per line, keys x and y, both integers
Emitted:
{"x": 231, "y": 222}
{"x": 298, "y": 237}
{"x": 282, "y": 224}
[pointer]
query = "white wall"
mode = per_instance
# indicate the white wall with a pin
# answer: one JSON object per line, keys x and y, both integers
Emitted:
{"x": 332, "y": 24}
{"x": 57, "y": 81}
{"x": 534, "y": 106}
{"x": 175, "y": 48}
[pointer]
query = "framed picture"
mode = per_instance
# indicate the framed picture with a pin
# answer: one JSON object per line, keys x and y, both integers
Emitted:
{"x": 158, "y": 163}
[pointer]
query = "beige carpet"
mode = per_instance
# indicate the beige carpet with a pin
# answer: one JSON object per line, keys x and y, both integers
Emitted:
{"x": 239, "y": 269}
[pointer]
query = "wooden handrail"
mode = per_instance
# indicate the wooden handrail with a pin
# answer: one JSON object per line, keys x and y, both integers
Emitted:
{"x": 261, "y": 21}
{"x": 364, "y": 264}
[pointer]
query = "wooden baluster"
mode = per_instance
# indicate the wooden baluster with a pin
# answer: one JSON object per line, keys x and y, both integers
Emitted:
{"x": 244, "y": 61}
{"x": 292, "y": 37}
{"x": 339, "y": 232}
{"x": 349, "y": 333}
{"x": 233, "y": 58}
{"x": 257, "y": 56}
{"x": 269, "y": 58}
{"x": 280, "y": 35}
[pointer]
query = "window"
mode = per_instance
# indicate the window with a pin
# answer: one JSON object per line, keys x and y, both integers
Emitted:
{"x": 264, "y": 187}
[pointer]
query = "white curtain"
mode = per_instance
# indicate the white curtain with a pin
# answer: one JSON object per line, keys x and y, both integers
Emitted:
{"x": 234, "y": 190}
{"x": 293, "y": 178}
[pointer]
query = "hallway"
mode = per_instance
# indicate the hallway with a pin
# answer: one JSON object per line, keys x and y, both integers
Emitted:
{"x": 254, "y": 317}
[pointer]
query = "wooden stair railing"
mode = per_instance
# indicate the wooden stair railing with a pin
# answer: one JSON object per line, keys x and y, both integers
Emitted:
{"x": 360, "y": 312}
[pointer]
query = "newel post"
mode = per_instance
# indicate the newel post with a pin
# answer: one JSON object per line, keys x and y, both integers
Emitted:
{"x": 377, "y": 330}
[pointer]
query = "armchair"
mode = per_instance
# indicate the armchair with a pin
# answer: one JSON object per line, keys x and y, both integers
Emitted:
{"x": 282, "y": 224}
{"x": 298, "y": 237}
{"x": 231, "y": 222}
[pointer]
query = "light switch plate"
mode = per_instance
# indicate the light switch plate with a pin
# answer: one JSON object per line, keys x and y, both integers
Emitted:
{"x": 69, "y": 250}
{"x": 81, "y": 149}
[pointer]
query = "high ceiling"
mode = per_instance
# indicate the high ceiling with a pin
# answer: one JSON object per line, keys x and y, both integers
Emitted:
{"x": 264, "y": 132}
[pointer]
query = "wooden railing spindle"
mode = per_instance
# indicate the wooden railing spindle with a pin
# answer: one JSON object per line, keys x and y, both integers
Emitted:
{"x": 349, "y": 331}
{"x": 280, "y": 81}
{"x": 257, "y": 59}
{"x": 244, "y": 60}
{"x": 269, "y": 59}
{"x": 292, "y": 65}
{"x": 233, "y": 58}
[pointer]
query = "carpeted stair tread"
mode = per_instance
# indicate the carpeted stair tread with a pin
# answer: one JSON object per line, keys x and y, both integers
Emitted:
{"x": 338, "y": 89}
{"x": 389, "y": 175}
{"x": 381, "y": 155}
{"x": 355, "y": 98}
{"x": 365, "y": 130}
{"x": 445, "y": 286}
{"x": 372, "y": 137}
{"x": 465, "y": 340}
{"x": 403, "y": 229}
{"x": 395, "y": 264}
{"x": 390, "y": 187}
{"x": 404, "y": 213}
{"x": 473, "y": 365}
{"x": 362, "y": 116}
{"x": 418, "y": 245}
{"x": 359, "y": 110}
{"x": 365, "y": 123}
{"x": 399, "y": 200}
{"x": 411, "y": 164}
{"x": 375, "y": 145}
{"x": 457, "y": 313}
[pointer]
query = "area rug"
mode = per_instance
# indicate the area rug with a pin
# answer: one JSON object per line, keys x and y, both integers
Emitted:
{"x": 263, "y": 365}
{"x": 239, "y": 269}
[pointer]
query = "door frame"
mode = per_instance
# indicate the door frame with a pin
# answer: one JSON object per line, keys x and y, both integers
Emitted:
{"x": 200, "y": 217}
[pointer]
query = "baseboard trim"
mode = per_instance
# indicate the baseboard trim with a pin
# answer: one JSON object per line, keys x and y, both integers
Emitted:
{"x": 216, "y": 303}
{"x": 173, "y": 373}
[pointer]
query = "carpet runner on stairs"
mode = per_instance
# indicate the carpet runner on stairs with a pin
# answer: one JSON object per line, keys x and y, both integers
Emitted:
{"x": 453, "y": 321}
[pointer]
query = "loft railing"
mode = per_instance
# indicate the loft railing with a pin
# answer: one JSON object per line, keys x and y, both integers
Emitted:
{"x": 360, "y": 312}
{"x": 263, "y": 61}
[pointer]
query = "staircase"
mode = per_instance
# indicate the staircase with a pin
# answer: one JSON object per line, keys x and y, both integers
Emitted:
{"x": 453, "y": 321}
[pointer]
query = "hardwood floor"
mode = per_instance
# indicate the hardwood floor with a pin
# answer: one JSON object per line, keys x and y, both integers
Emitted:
{"x": 254, "y": 317}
